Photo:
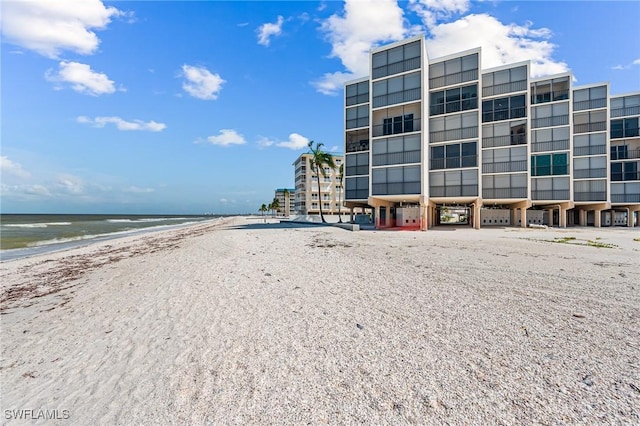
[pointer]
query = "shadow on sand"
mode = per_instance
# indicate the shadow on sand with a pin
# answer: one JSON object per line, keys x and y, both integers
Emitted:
{"x": 280, "y": 225}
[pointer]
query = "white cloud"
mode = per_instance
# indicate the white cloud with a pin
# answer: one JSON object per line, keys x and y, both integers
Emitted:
{"x": 268, "y": 30}
{"x": 25, "y": 191}
{"x": 636, "y": 62}
{"x": 14, "y": 169}
{"x": 50, "y": 27}
{"x": 295, "y": 142}
{"x": 265, "y": 142}
{"x": 201, "y": 83}
{"x": 431, "y": 11}
{"x": 366, "y": 24}
{"x": 501, "y": 43}
{"x": 363, "y": 25}
{"x": 226, "y": 137}
{"x": 150, "y": 126}
{"x": 70, "y": 184}
{"x": 81, "y": 78}
{"x": 626, "y": 67}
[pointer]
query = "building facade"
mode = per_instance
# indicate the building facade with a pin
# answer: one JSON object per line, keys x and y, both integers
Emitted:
{"x": 286, "y": 200}
{"x": 429, "y": 141}
{"x": 307, "y": 200}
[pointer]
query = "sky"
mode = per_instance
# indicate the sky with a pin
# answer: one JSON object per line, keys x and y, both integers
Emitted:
{"x": 191, "y": 107}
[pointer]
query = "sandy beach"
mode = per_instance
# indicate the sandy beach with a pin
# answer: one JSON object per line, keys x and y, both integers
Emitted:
{"x": 241, "y": 322}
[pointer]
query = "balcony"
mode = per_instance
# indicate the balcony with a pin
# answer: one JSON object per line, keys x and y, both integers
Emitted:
{"x": 396, "y": 67}
{"x": 497, "y": 193}
{"x": 448, "y": 80}
{"x": 397, "y": 97}
{"x": 357, "y": 146}
{"x": 558, "y": 95}
{"x": 357, "y": 170}
{"x": 625, "y": 155}
{"x": 454, "y": 162}
{"x": 499, "y": 89}
{"x": 357, "y": 194}
{"x": 625, "y": 198}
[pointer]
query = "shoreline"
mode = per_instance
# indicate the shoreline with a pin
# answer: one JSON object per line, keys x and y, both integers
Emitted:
{"x": 241, "y": 322}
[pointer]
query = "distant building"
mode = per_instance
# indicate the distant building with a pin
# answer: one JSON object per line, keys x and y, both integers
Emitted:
{"x": 426, "y": 138}
{"x": 287, "y": 200}
{"x": 306, "y": 191}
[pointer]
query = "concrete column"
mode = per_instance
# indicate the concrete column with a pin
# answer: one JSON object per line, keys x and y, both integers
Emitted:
{"x": 523, "y": 217}
{"x": 377, "y": 214}
{"x": 476, "y": 216}
{"x": 562, "y": 217}
{"x": 550, "y": 214}
{"x": 424, "y": 217}
{"x": 582, "y": 218}
{"x": 389, "y": 220}
{"x": 597, "y": 218}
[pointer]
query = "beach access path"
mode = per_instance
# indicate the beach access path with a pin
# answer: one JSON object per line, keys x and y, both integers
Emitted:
{"x": 244, "y": 322}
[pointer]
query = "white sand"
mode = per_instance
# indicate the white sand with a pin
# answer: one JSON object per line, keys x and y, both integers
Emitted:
{"x": 267, "y": 324}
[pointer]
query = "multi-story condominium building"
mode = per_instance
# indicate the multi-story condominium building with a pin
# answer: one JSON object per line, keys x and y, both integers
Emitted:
{"x": 434, "y": 140}
{"x": 286, "y": 200}
{"x": 307, "y": 200}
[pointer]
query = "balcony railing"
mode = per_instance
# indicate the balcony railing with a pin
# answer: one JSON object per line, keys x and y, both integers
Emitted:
{"x": 357, "y": 170}
{"x": 625, "y": 155}
{"x": 397, "y": 97}
{"x": 589, "y": 173}
{"x": 496, "y": 141}
{"x": 357, "y": 122}
{"x": 558, "y": 120}
{"x": 357, "y": 146}
{"x": 559, "y": 145}
{"x": 625, "y": 198}
{"x": 447, "y": 80}
{"x": 499, "y": 89}
{"x": 623, "y": 112}
{"x": 402, "y": 126}
{"x": 589, "y": 196}
{"x": 396, "y": 67}
{"x": 454, "y": 191}
{"x": 454, "y": 134}
{"x": 403, "y": 157}
{"x": 506, "y": 166}
{"x": 558, "y": 95}
{"x": 590, "y": 104}
{"x": 625, "y": 176}
{"x": 358, "y": 99}
{"x": 356, "y": 194}
{"x": 589, "y": 150}
{"x": 550, "y": 195}
{"x": 598, "y": 126}
{"x": 398, "y": 188}
{"x": 495, "y": 193}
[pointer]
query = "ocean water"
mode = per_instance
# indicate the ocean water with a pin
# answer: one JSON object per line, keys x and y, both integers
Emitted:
{"x": 26, "y": 234}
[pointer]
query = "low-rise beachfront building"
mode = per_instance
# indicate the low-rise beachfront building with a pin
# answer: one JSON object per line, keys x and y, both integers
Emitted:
{"x": 307, "y": 200}
{"x": 286, "y": 200}
{"x": 439, "y": 141}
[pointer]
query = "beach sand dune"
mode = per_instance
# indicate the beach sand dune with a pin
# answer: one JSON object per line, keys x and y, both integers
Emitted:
{"x": 241, "y": 322}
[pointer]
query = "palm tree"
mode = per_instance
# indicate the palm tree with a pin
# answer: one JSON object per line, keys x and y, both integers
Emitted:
{"x": 275, "y": 205}
{"x": 287, "y": 202}
{"x": 263, "y": 208}
{"x": 317, "y": 162}
{"x": 340, "y": 179}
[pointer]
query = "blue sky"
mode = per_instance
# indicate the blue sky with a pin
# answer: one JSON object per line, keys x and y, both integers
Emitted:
{"x": 202, "y": 106}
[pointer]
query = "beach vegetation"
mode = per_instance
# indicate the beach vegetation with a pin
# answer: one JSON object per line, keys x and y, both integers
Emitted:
{"x": 274, "y": 206}
{"x": 320, "y": 161}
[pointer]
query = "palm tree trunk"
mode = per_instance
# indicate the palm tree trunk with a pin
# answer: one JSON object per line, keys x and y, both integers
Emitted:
{"x": 320, "y": 194}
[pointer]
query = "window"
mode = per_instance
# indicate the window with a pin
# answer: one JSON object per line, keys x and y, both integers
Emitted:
{"x": 503, "y": 108}
{"x": 454, "y": 100}
{"x": 550, "y": 90}
{"x": 397, "y": 150}
{"x": 454, "y": 156}
{"x": 549, "y": 164}
{"x": 454, "y": 71}
{"x": 625, "y": 128}
{"x": 499, "y": 82}
{"x": 357, "y": 116}
{"x": 619, "y": 152}
{"x": 399, "y": 124}
{"x": 357, "y": 93}
{"x": 396, "y": 90}
{"x": 595, "y": 97}
{"x": 396, "y": 60}
{"x": 396, "y": 180}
